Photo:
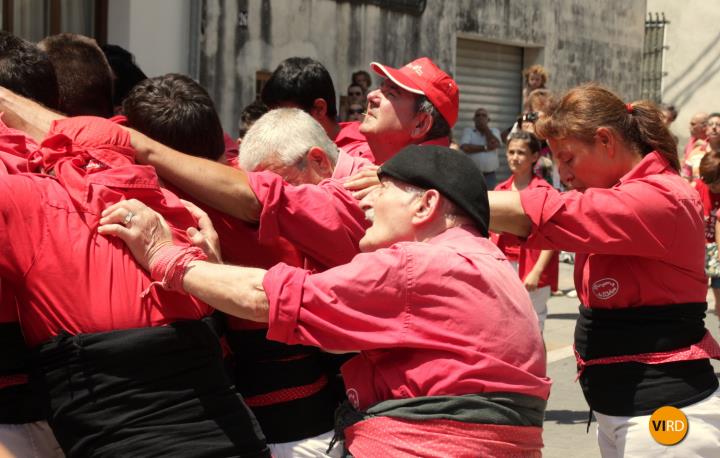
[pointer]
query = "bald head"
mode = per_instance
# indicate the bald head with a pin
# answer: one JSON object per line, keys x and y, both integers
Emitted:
{"x": 697, "y": 125}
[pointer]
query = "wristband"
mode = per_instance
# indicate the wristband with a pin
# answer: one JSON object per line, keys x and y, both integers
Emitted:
{"x": 168, "y": 266}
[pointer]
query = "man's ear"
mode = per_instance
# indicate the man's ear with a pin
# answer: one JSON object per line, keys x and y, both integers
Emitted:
{"x": 428, "y": 207}
{"x": 318, "y": 159}
{"x": 319, "y": 109}
{"x": 422, "y": 125}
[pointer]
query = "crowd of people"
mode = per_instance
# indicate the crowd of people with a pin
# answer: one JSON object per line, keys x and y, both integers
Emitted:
{"x": 336, "y": 281}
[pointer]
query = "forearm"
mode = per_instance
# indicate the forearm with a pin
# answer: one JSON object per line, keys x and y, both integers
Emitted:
{"x": 234, "y": 290}
{"x": 470, "y": 148}
{"x": 224, "y": 188}
{"x": 26, "y": 115}
{"x": 543, "y": 261}
{"x": 507, "y": 214}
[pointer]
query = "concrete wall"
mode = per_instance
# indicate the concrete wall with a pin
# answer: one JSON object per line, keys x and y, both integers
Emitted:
{"x": 576, "y": 40}
{"x": 692, "y": 60}
{"x": 156, "y": 32}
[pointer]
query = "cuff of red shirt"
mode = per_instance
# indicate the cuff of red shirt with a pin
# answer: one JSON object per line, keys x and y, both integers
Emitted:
{"x": 539, "y": 204}
{"x": 283, "y": 287}
{"x": 267, "y": 187}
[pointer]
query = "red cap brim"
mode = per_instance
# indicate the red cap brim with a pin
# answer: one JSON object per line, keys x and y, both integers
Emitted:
{"x": 397, "y": 77}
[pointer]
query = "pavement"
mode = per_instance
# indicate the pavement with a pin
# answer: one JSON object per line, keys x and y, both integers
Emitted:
{"x": 566, "y": 416}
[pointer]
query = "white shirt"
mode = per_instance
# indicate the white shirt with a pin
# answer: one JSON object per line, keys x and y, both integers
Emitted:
{"x": 487, "y": 161}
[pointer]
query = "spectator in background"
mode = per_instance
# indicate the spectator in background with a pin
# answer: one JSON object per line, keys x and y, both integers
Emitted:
{"x": 669, "y": 113}
{"x": 356, "y": 112}
{"x": 538, "y": 269}
{"x": 84, "y": 76}
{"x": 355, "y": 96}
{"x": 248, "y": 116}
{"x": 698, "y": 136}
{"x": 535, "y": 77}
{"x": 709, "y": 189}
{"x": 711, "y": 144}
{"x": 537, "y": 104}
{"x": 362, "y": 79}
{"x": 126, "y": 74}
{"x": 482, "y": 144}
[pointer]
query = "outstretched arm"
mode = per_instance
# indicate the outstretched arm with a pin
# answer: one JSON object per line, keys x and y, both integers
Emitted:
{"x": 234, "y": 290}
{"x": 507, "y": 214}
{"x": 214, "y": 184}
{"x": 26, "y": 115}
{"x": 224, "y": 188}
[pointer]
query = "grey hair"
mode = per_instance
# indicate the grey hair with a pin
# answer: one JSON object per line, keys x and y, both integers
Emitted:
{"x": 452, "y": 212}
{"x": 440, "y": 127}
{"x": 286, "y": 133}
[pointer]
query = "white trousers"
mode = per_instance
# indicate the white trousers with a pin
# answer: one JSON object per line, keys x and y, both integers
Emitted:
{"x": 539, "y": 298}
{"x": 312, "y": 447}
{"x": 28, "y": 440}
{"x": 630, "y": 436}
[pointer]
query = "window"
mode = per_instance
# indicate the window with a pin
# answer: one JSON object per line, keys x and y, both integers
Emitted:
{"x": 36, "y": 19}
{"x": 652, "y": 60}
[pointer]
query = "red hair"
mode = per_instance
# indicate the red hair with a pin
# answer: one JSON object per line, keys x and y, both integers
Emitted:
{"x": 584, "y": 109}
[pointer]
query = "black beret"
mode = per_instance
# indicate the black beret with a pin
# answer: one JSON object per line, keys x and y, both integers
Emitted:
{"x": 450, "y": 172}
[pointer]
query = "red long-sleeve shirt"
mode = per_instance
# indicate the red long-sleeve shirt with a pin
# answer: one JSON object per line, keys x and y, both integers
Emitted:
{"x": 67, "y": 276}
{"x": 640, "y": 242}
{"x": 516, "y": 250}
{"x": 445, "y": 317}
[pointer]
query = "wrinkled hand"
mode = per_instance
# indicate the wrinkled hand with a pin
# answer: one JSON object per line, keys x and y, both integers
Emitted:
{"x": 143, "y": 230}
{"x": 362, "y": 183}
{"x": 206, "y": 238}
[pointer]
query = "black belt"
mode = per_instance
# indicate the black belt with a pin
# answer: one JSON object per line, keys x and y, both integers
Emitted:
{"x": 19, "y": 403}
{"x": 159, "y": 391}
{"x": 631, "y": 389}
{"x": 263, "y": 366}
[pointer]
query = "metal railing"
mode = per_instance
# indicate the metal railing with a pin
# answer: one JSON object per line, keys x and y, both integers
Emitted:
{"x": 652, "y": 59}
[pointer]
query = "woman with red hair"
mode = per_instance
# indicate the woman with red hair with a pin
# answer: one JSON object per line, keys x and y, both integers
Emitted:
{"x": 637, "y": 230}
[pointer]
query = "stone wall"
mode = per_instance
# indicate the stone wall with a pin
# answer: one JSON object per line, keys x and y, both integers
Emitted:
{"x": 576, "y": 40}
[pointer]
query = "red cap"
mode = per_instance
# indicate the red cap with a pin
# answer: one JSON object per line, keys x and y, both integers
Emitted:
{"x": 422, "y": 76}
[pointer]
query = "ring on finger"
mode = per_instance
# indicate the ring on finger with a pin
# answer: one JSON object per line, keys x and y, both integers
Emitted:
{"x": 128, "y": 218}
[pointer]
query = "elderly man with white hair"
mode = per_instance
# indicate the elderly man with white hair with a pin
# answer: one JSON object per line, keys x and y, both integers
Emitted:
{"x": 450, "y": 361}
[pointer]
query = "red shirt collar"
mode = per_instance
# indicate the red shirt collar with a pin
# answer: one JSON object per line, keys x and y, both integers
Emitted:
{"x": 652, "y": 164}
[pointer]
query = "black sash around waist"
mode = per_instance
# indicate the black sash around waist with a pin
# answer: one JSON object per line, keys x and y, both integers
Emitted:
{"x": 262, "y": 367}
{"x": 19, "y": 403}
{"x": 631, "y": 389}
{"x": 512, "y": 409}
{"x": 158, "y": 391}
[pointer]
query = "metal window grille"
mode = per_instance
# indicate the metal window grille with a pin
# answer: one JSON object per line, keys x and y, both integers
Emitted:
{"x": 652, "y": 61}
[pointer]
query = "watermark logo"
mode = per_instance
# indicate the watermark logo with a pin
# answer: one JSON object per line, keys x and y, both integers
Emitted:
{"x": 668, "y": 425}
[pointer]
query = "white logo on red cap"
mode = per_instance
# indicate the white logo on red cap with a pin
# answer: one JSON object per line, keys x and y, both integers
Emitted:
{"x": 605, "y": 288}
{"x": 416, "y": 68}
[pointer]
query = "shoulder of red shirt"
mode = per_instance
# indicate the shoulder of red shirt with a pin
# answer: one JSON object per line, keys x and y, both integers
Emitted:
{"x": 505, "y": 185}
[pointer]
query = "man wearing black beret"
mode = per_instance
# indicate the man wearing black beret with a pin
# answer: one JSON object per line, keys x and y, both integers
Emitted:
{"x": 450, "y": 363}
